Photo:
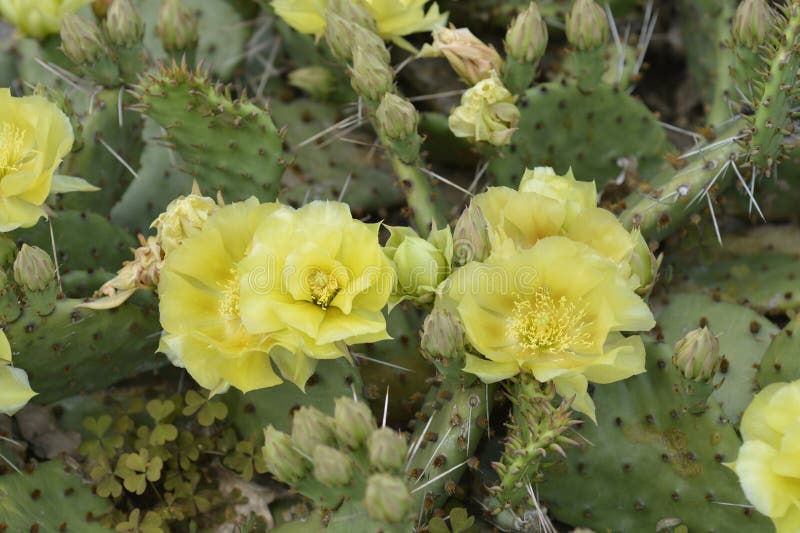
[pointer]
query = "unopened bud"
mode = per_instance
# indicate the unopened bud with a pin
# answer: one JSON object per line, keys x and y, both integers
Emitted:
{"x": 81, "y": 40}
{"x": 387, "y": 498}
{"x": 177, "y": 26}
{"x": 442, "y": 335}
{"x": 387, "y": 450}
{"x": 472, "y": 59}
{"x": 371, "y": 76}
{"x": 34, "y": 269}
{"x": 587, "y": 25}
{"x": 354, "y": 12}
{"x": 697, "y": 355}
{"x": 753, "y": 21}
{"x": 470, "y": 237}
{"x": 526, "y": 38}
{"x": 644, "y": 263}
{"x": 124, "y": 25}
{"x": 353, "y": 421}
{"x": 282, "y": 460}
{"x": 397, "y": 117}
{"x": 311, "y": 427}
{"x": 343, "y": 36}
{"x": 317, "y": 81}
{"x": 332, "y": 468}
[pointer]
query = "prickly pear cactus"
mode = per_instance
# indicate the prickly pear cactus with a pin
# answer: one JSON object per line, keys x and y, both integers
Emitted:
{"x": 434, "y": 266}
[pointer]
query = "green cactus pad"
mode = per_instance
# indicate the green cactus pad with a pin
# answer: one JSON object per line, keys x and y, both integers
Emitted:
{"x": 782, "y": 360}
{"x": 743, "y": 334}
{"x": 51, "y": 498}
{"x": 227, "y": 145}
{"x": 648, "y": 460}
{"x": 563, "y": 127}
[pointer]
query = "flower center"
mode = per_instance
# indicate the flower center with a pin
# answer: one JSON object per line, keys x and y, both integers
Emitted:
{"x": 11, "y": 143}
{"x": 323, "y": 288}
{"x": 542, "y": 323}
{"x": 229, "y": 305}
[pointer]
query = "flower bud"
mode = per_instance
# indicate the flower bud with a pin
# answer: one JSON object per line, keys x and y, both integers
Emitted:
{"x": 371, "y": 76}
{"x": 387, "y": 450}
{"x": 587, "y": 25}
{"x": 311, "y": 427}
{"x": 697, "y": 355}
{"x": 354, "y": 12}
{"x": 282, "y": 460}
{"x": 177, "y": 27}
{"x": 318, "y": 82}
{"x": 397, "y": 117}
{"x": 332, "y": 468}
{"x": 471, "y": 58}
{"x": 421, "y": 265}
{"x": 487, "y": 113}
{"x": 526, "y": 38}
{"x": 442, "y": 335}
{"x": 470, "y": 236}
{"x": 185, "y": 216}
{"x": 753, "y": 21}
{"x": 124, "y": 25}
{"x": 353, "y": 421}
{"x": 644, "y": 263}
{"x": 387, "y": 498}
{"x": 34, "y": 269}
{"x": 81, "y": 40}
{"x": 343, "y": 36}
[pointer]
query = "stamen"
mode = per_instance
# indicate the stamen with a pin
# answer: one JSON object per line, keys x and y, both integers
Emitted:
{"x": 323, "y": 288}
{"x": 11, "y": 143}
{"x": 542, "y": 323}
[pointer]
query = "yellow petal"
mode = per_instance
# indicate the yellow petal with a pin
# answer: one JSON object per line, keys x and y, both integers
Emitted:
{"x": 15, "y": 391}
{"x": 490, "y": 371}
{"x": 5, "y": 349}
{"x": 575, "y": 387}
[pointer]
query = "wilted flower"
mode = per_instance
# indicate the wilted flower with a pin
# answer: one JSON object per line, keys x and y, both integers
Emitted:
{"x": 185, "y": 216}
{"x": 421, "y": 264}
{"x": 487, "y": 113}
{"x": 38, "y": 18}
{"x": 768, "y": 464}
{"x": 472, "y": 59}
{"x": 34, "y": 136}
{"x": 554, "y": 311}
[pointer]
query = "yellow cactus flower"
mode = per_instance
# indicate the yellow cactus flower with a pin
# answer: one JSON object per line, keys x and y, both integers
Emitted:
{"x": 768, "y": 464}
{"x": 394, "y": 18}
{"x": 38, "y": 18}
{"x": 200, "y": 305}
{"x": 5, "y": 349}
{"x": 576, "y": 195}
{"x": 554, "y": 310}
{"x": 34, "y": 136}
{"x": 15, "y": 390}
{"x": 487, "y": 113}
{"x": 183, "y": 217}
{"x": 320, "y": 274}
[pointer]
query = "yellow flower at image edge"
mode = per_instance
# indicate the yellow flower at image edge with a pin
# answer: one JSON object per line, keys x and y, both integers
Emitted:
{"x": 15, "y": 391}
{"x": 34, "y": 137}
{"x": 768, "y": 464}
{"x": 38, "y": 18}
{"x": 394, "y": 18}
{"x": 555, "y": 311}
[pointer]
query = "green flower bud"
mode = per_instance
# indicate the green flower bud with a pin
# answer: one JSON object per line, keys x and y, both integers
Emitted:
{"x": 371, "y": 75}
{"x": 526, "y": 38}
{"x": 332, "y": 468}
{"x": 81, "y": 40}
{"x": 587, "y": 25}
{"x": 421, "y": 265}
{"x": 470, "y": 237}
{"x": 344, "y": 35}
{"x": 282, "y": 460}
{"x": 697, "y": 355}
{"x": 387, "y": 450}
{"x": 124, "y": 25}
{"x": 311, "y": 427}
{"x": 318, "y": 82}
{"x": 387, "y": 498}
{"x": 397, "y": 117}
{"x": 644, "y": 263}
{"x": 353, "y": 421}
{"x": 34, "y": 269}
{"x": 753, "y": 21}
{"x": 352, "y": 11}
{"x": 442, "y": 335}
{"x": 177, "y": 27}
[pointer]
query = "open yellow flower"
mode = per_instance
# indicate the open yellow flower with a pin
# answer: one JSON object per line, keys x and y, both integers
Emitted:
{"x": 320, "y": 274}
{"x": 554, "y": 310}
{"x": 199, "y": 292}
{"x": 768, "y": 464}
{"x": 15, "y": 391}
{"x": 38, "y": 18}
{"x": 394, "y": 18}
{"x": 34, "y": 136}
